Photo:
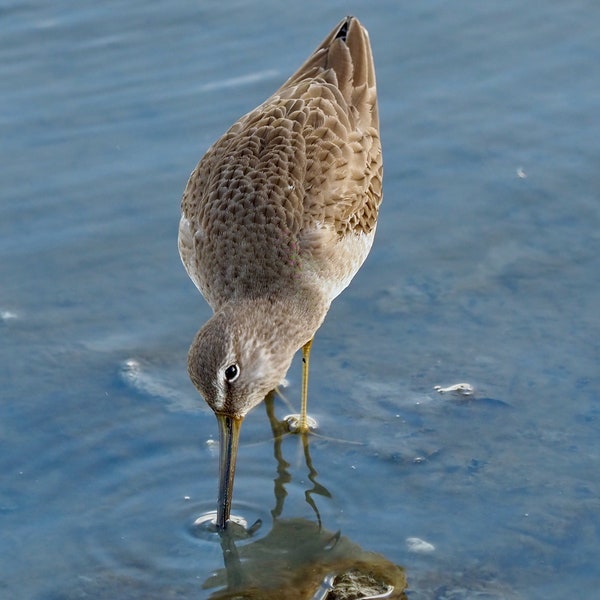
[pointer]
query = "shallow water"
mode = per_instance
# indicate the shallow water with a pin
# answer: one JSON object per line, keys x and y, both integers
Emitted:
{"x": 484, "y": 270}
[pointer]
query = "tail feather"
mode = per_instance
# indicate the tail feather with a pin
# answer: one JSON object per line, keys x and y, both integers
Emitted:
{"x": 345, "y": 59}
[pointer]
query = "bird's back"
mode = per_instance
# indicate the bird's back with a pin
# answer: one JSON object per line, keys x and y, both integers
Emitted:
{"x": 289, "y": 195}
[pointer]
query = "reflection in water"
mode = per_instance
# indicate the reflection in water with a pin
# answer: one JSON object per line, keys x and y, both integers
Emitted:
{"x": 298, "y": 559}
{"x": 280, "y": 429}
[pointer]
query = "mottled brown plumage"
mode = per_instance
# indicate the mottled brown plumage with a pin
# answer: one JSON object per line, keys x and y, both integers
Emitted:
{"x": 276, "y": 219}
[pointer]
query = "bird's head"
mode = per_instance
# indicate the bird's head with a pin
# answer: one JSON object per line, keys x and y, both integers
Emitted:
{"x": 235, "y": 360}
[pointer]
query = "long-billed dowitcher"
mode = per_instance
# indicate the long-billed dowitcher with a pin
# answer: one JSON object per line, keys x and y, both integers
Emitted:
{"x": 278, "y": 217}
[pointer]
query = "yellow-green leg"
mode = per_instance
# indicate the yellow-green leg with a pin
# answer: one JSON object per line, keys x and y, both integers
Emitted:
{"x": 303, "y": 425}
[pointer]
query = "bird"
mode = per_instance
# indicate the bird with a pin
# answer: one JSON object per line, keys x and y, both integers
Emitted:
{"x": 276, "y": 219}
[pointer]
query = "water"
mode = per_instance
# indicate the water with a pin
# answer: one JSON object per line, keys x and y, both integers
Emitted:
{"x": 484, "y": 271}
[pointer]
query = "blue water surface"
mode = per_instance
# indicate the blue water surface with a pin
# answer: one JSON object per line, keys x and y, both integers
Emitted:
{"x": 485, "y": 271}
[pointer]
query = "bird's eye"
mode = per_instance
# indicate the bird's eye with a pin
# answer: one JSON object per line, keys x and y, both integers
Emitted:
{"x": 232, "y": 372}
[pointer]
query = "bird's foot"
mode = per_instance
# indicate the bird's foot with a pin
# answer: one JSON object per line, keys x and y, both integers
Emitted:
{"x": 299, "y": 424}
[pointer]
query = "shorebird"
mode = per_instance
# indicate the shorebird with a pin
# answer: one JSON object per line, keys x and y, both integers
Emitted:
{"x": 277, "y": 218}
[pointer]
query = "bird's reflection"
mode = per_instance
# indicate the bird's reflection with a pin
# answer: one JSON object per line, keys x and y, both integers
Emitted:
{"x": 298, "y": 559}
{"x": 280, "y": 430}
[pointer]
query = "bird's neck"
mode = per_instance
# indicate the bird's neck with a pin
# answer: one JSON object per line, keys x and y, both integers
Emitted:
{"x": 290, "y": 318}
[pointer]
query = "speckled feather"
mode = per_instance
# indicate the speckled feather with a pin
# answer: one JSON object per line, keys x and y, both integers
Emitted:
{"x": 278, "y": 217}
{"x": 292, "y": 189}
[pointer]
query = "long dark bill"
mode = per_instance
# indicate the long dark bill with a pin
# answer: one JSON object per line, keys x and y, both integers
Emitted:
{"x": 229, "y": 435}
